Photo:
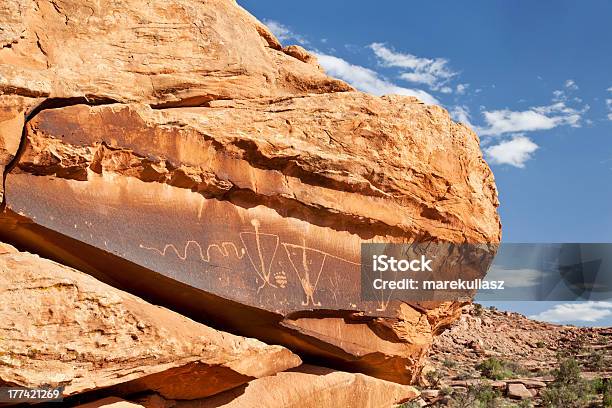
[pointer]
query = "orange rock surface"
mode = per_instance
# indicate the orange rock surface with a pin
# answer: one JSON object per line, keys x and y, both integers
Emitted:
{"x": 61, "y": 327}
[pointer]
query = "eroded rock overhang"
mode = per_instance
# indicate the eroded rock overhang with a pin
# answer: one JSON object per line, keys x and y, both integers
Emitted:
{"x": 234, "y": 184}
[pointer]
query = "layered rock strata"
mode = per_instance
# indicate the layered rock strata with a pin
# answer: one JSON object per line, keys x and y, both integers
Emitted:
{"x": 61, "y": 327}
{"x": 306, "y": 386}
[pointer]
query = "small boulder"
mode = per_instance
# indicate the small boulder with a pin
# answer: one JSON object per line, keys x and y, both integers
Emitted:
{"x": 518, "y": 391}
{"x": 430, "y": 394}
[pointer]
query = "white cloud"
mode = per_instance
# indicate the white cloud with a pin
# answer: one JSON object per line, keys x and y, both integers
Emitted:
{"x": 559, "y": 96}
{"x": 283, "y": 33}
{"x": 579, "y": 311}
{"x": 279, "y": 30}
{"x": 571, "y": 84}
{"x": 514, "y": 152}
{"x": 516, "y": 278}
{"x": 461, "y": 88}
{"x": 362, "y": 78}
{"x": 368, "y": 80}
{"x": 432, "y": 72}
{"x": 609, "y": 105}
{"x": 461, "y": 113}
{"x": 446, "y": 90}
{"x": 536, "y": 118}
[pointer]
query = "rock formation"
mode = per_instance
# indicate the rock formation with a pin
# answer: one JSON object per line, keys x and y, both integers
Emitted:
{"x": 176, "y": 150}
{"x": 61, "y": 327}
{"x": 87, "y": 336}
{"x": 110, "y": 402}
{"x": 306, "y": 386}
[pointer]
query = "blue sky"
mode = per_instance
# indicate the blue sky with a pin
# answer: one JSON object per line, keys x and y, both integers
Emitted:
{"x": 534, "y": 79}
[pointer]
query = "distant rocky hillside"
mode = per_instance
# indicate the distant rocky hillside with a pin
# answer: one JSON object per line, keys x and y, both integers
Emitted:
{"x": 488, "y": 353}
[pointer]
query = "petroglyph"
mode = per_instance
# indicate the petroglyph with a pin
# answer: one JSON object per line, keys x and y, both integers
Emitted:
{"x": 224, "y": 248}
{"x": 280, "y": 278}
{"x": 306, "y": 265}
{"x": 261, "y": 250}
{"x": 264, "y": 245}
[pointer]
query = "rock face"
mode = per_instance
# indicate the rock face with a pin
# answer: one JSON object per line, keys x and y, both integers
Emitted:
{"x": 179, "y": 53}
{"x": 13, "y": 111}
{"x": 193, "y": 160}
{"x": 86, "y": 335}
{"x": 306, "y": 386}
{"x": 110, "y": 402}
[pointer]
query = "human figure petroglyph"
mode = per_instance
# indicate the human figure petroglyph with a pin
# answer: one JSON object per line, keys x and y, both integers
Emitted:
{"x": 262, "y": 266}
{"x": 304, "y": 276}
{"x": 383, "y": 303}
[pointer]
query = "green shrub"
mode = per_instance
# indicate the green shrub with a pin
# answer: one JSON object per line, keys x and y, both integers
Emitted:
{"x": 604, "y": 387}
{"x": 568, "y": 372}
{"x": 409, "y": 404}
{"x": 598, "y": 385}
{"x": 476, "y": 396}
{"x": 596, "y": 361}
{"x": 565, "y": 396}
{"x": 540, "y": 344}
{"x": 525, "y": 404}
{"x": 434, "y": 378}
{"x": 495, "y": 369}
{"x": 607, "y": 395}
{"x": 485, "y": 395}
{"x": 448, "y": 363}
{"x": 568, "y": 390}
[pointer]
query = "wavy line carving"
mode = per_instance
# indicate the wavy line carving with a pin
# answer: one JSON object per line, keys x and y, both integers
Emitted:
{"x": 223, "y": 248}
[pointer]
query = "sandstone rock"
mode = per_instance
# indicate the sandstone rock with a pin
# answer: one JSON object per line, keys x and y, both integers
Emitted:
{"x": 177, "y": 52}
{"x": 518, "y": 391}
{"x": 528, "y": 382}
{"x": 300, "y": 53}
{"x": 254, "y": 188}
{"x": 62, "y": 327}
{"x": 228, "y": 177}
{"x": 307, "y": 386}
{"x": 421, "y": 402}
{"x": 13, "y": 112}
{"x": 110, "y": 402}
{"x": 6, "y": 249}
{"x": 430, "y": 394}
{"x": 500, "y": 385}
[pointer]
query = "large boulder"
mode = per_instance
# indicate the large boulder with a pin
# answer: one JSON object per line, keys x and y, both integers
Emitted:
{"x": 61, "y": 327}
{"x": 307, "y": 387}
{"x": 176, "y": 150}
